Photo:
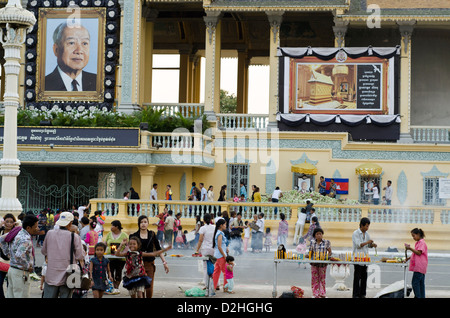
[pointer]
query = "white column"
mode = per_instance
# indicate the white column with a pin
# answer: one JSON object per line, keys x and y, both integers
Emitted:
{"x": 212, "y": 63}
{"x": 129, "y": 55}
{"x": 14, "y": 21}
{"x": 275, "y": 18}
{"x": 406, "y": 29}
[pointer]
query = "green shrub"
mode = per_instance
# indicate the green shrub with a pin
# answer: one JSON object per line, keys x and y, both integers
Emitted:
{"x": 95, "y": 117}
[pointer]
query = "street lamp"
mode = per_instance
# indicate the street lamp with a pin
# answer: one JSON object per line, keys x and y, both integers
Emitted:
{"x": 15, "y": 22}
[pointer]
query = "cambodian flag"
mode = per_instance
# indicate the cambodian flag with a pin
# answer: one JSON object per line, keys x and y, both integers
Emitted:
{"x": 341, "y": 185}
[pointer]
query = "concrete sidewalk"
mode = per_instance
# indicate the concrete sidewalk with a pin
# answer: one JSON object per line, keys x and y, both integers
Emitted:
{"x": 166, "y": 289}
{"x": 169, "y": 289}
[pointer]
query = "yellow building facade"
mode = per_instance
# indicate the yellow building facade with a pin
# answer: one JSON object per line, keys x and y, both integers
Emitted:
{"x": 411, "y": 148}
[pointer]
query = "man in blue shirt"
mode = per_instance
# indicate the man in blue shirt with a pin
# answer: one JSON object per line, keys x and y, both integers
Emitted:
{"x": 243, "y": 191}
{"x": 322, "y": 186}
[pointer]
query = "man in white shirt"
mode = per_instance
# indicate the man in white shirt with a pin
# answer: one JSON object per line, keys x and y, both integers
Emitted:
{"x": 388, "y": 192}
{"x": 203, "y": 192}
{"x": 218, "y": 217}
{"x": 81, "y": 209}
{"x": 361, "y": 243}
{"x": 276, "y": 195}
{"x": 154, "y": 192}
{"x": 154, "y": 196}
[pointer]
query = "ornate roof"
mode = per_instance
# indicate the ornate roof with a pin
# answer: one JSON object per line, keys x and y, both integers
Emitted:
{"x": 396, "y": 10}
{"x": 294, "y": 5}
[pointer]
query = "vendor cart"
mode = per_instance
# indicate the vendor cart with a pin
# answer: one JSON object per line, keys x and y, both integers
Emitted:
{"x": 278, "y": 261}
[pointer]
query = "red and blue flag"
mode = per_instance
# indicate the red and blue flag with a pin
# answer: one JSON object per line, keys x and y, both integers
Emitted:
{"x": 341, "y": 185}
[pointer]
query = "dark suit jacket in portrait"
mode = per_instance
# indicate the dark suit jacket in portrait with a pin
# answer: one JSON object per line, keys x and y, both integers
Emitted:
{"x": 54, "y": 82}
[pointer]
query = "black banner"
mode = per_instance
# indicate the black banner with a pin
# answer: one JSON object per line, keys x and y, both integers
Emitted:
{"x": 76, "y": 137}
{"x": 369, "y": 87}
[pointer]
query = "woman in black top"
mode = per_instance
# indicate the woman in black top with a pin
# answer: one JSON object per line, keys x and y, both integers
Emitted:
{"x": 149, "y": 244}
{"x": 223, "y": 193}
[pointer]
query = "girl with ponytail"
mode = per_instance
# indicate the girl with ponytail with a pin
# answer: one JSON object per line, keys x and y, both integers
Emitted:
{"x": 419, "y": 262}
{"x": 220, "y": 245}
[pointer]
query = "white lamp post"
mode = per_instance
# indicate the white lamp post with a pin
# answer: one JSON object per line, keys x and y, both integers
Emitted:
{"x": 15, "y": 21}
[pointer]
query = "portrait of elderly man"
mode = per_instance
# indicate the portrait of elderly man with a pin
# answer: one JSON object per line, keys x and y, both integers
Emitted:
{"x": 71, "y": 46}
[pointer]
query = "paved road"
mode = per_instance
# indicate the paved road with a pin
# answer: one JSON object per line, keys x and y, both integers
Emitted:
{"x": 254, "y": 276}
{"x": 258, "y": 269}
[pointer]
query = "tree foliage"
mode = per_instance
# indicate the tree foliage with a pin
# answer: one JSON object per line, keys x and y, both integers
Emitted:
{"x": 228, "y": 102}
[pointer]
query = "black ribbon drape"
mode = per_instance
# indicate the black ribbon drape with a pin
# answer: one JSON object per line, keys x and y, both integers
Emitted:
{"x": 327, "y": 54}
{"x": 293, "y": 120}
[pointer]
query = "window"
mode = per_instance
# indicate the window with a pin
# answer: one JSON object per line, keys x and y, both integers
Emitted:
{"x": 365, "y": 188}
{"x": 237, "y": 173}
{"x": 165, "y": 78}
{"x": 431, "y": 192}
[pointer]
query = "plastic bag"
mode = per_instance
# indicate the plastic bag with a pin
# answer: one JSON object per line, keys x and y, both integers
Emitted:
{"x": 297, "y": 291}
{"x": 210, "y": 267}
{"x": 195, "y": 292}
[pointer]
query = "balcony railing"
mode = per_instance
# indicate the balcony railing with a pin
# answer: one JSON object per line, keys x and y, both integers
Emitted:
{"x": 423, "y": 134}
{"x": 190, "y": 209}
{"x": 326, "y": 213}
{"x": 243, "y": 121}
{"x": 188, "y": 110}
{"x": 177, "y": 141}
{"x": 226, "y": 121}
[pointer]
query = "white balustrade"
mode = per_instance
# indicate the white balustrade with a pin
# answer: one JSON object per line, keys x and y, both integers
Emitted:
{"x": 341, "y": 213}
{"x": 188, "y": 110}
{"x": 272, "y": 211}
{"x": 243, "y": 121}
{"x": 436, "y": 134}
{"x": 388, "y": 214}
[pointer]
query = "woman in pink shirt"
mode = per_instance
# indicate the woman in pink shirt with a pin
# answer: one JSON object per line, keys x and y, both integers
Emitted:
{"x": 92, "y": 236}
{"x": 419, "y": 262}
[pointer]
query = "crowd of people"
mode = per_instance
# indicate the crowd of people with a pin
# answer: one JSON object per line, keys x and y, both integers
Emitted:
{"x": 201, "y": 193}
{"x": 129, "y": 259}
{"x": 65, "y": 239}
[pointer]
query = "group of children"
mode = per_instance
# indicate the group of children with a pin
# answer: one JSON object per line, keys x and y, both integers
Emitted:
{"x": 135, "y": 279}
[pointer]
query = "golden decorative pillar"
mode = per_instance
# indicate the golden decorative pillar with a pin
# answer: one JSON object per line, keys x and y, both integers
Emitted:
{"x": 406, "y": 29}
{"x": 275, "y": 19}
{"x": 147, "y": 174}
{"x": 184, "y": 77}
{"x": 339, "y": 29}
{"x": 212, "y": 65}
{"x": 195, "y": 78}
{"x": 150, "y": 16}
{"x": 242, "y": 82}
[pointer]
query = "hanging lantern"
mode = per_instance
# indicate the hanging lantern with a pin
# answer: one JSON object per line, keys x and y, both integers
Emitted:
{"x": 340, "y": 70}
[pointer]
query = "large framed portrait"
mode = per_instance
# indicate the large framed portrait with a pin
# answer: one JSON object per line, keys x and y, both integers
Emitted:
{"x": 350, "y": 81}
{"x": 72, "y": 54}
{"x": 358, "y": 85}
